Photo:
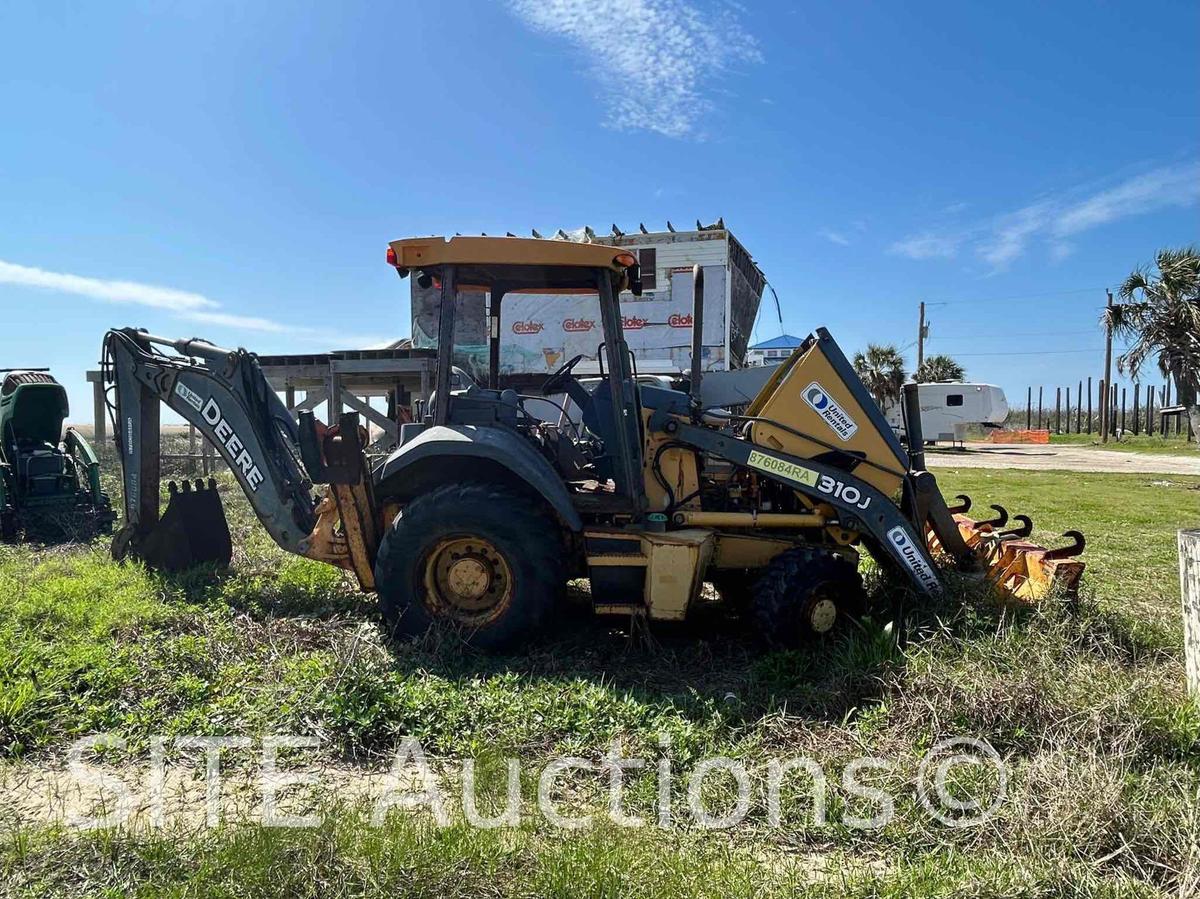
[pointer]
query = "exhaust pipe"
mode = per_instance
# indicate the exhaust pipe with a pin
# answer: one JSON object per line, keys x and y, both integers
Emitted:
{"x": 697, "y": 332}
{"x": 912, "y": 426}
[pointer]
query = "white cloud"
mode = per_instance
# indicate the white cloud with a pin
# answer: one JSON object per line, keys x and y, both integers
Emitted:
{"x": 1012, "y": 233}
{"x": 655, "y": 60}
{"x": 927, "y": 246}
{"x": 835, "y": 237}
{"x": 108, "y": 291}
{"x": 248, "y": 322}
{"x": 184, "y": 303}
{"x": 1169, "y": 186}
{"x": 1048, "y": 221}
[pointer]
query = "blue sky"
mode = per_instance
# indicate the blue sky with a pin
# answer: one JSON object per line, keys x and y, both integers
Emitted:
{"x": 234, "y": 170}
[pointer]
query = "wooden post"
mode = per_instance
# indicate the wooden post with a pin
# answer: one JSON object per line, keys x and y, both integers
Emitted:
{"x": 1028, "y": 408}
{"x": 920, "y": 338}
{"x": 1149, "y": 410}
{"x": 1068, "y": 390}
{"x": 1089, "y": 418}
{"x": 1112, "y": 410}
{"x": 100, "y": 413}
{"x": 1057, "y": 410}
{"x": 1106, "y": 422}
{"x": 1039, "y": 427}
{"x": 1137, "y": 394}
{"x": 1189, "y": 589}
{"x": 1102, "y": 399}
{"x": 1122, "y": 408}
{"x": 1079, "y": 407}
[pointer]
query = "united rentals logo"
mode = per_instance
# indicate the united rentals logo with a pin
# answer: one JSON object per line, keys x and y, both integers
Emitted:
{"x": 633, "y": 323}
{"x": 680, "y": 321}
{"x": 833, "y": 415}
{"x": 578, "y": 324}
{"x": 783, "y": 468}
{"x": 914, "y": 560}
{"x": 528, "y": 327}
{"x": 189, "y": 396}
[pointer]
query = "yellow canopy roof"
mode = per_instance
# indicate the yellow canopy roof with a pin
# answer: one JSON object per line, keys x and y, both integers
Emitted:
{"x": 429, "y": 252}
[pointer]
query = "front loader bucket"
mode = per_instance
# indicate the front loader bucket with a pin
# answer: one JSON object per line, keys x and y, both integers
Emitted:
{"x": 1022, "y": 571}
{"x": 192, "y": 531}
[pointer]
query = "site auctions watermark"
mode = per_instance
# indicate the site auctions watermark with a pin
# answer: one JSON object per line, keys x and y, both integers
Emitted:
{"x": 960, "y": 782}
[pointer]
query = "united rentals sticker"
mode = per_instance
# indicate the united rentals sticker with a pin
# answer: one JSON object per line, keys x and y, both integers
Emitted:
{"x": 189, "y": 396}
{"x": 833, "y": 414}
{"x": 914, "y": 560}
{"x": 783, "y": 468}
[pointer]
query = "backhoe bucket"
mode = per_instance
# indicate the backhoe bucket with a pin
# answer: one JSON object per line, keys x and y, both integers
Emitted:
{"x": 1022, "y": 571}
{"x": 192, "y": 531}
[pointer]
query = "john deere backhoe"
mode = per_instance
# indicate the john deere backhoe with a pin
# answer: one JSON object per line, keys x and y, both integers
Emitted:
{"x": 483, "y": 511}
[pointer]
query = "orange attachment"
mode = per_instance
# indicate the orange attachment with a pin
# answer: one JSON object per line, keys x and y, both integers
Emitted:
{"x": 1022, "y": 571}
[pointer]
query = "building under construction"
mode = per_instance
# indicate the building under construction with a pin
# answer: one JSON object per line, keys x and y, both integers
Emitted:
{"x": 543, "y": 332}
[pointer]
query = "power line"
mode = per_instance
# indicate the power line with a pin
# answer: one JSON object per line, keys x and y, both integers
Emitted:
{"x": 1009, "y": 299}
{"x": 1031, "y": 353}
{"x": 977, "y": 335}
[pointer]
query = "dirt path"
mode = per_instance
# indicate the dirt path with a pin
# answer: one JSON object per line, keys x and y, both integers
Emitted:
{"x": 1062, "y": 458}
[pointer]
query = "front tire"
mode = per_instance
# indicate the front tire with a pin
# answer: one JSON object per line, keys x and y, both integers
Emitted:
{"x": 804, "y": 594}
{"x": 482, "y": 558}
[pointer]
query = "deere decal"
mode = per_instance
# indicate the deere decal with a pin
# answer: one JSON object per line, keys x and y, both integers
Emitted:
{"x": 783, "y": 468}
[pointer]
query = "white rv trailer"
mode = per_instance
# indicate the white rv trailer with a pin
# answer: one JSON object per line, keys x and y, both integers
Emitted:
{"x": 948, "y": 408}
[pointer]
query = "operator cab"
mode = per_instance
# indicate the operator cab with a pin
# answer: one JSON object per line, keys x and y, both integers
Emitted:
{"x": 598, "y": 450}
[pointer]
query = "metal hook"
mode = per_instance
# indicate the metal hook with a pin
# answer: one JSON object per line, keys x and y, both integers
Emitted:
{"x": 963, "y": 505}
{"x": 1066, "y": 552}
{"x": 1024, "y": 530}
{"x": 1001, "y": 518}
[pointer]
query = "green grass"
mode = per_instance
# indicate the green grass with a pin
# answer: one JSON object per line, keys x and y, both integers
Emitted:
{"x": 1085, "y": 703}
{"x": 1130, "y": 443}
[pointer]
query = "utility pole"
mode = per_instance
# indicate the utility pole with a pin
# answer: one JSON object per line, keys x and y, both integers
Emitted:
{"x": 922, "y": 332}
{"x": 1107, "y": 368}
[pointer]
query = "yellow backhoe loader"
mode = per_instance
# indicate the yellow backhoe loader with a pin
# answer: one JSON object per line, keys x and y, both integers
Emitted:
{"x": 484, "y": 511}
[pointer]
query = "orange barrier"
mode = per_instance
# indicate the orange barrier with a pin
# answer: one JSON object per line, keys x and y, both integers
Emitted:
{"x": 1031, "y": 436}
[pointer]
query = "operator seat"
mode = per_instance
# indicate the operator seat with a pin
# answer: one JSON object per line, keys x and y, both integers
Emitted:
{"x": 33, "y": 407}
{"x": 597, "y": 418}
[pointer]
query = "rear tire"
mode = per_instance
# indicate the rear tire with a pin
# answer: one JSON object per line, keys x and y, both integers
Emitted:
{"x": 805, "y": 594}
{"x": 482, "y": 558}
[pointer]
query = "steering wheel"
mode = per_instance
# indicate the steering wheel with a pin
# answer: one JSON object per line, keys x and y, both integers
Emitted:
{"x": 560, "y": 381}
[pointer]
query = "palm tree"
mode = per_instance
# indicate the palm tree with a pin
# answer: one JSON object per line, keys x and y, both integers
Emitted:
{"x": 1160, "y": 315}
{"x": 939, "y": 368}
{"x": 881, "y": 369}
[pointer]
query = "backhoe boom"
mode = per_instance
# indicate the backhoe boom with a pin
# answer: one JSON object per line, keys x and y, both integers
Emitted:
{"x": 227, "y": 398}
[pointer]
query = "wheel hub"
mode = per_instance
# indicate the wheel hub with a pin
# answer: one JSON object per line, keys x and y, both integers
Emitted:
{"x": 468, "y": 580}
{"x": 822, "y": 615}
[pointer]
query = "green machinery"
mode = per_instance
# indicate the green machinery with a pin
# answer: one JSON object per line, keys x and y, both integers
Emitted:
{"x": 49, "y": 479}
